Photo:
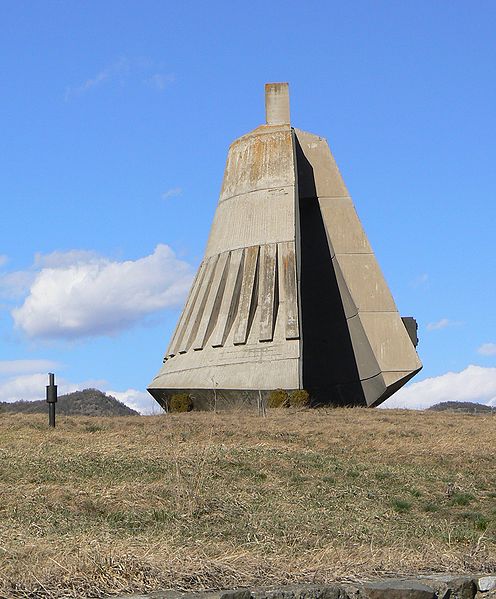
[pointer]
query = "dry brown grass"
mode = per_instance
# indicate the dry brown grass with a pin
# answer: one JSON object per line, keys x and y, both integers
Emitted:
{"x": 202, "y": 500}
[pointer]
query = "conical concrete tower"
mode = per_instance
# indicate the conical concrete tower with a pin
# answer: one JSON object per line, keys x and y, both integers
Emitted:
{"x": 289, "y": 294}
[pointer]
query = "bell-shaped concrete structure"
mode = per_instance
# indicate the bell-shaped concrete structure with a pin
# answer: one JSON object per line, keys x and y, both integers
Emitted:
{"x": 289, "y": 294}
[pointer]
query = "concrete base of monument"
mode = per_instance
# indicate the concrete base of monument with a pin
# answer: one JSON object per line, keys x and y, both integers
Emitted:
{"x": 227, "y": 399}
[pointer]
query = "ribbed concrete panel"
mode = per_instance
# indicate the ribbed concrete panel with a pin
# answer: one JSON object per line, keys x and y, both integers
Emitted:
{"x": 230, "y": 298}
{"x": 268, "y": 297}
{"x": 288, "y": 289}
{"x": 246, "y": 296}
{"x": 180, "y": 325}
{"x": 197, "y": 310}
{"x": 210, "y": 311}
{"x": 186, "y": 315}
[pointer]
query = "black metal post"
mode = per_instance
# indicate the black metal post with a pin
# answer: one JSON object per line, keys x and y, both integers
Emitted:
{"x": 51, "y": 397}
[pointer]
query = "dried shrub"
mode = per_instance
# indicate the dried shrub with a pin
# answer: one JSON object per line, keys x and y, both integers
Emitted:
{"x": 278, "y": 398}
{"x": 181, "y": 402}
{"x": 299, "y": 398}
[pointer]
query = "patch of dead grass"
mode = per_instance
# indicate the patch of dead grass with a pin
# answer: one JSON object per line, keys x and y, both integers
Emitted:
{"x": 202, "y": 501}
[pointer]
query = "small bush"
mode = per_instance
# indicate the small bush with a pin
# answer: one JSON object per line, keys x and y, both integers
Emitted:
{"x": 462, "y": 498}
{"x": 278, "y": 398}
{"x": 181, "y": 402}
{"x": 299, "y": 398}
{"x": 401, "y": 506}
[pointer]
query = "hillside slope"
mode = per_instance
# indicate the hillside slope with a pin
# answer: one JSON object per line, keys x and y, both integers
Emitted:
{"x": 88, "y": 402}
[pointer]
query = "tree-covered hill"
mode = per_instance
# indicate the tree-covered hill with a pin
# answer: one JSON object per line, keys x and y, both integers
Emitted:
{"x": 468, "y": 407}
{"x": 88, "y": 402}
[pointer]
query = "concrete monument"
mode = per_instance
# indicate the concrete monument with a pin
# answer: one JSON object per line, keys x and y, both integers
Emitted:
{"x": 289, "y": 293}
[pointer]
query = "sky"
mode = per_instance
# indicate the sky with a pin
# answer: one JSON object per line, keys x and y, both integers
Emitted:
{"x": 115, "y": 120}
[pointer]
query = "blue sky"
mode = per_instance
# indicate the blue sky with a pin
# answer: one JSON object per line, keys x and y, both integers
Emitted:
{"x": 115, "y": 120}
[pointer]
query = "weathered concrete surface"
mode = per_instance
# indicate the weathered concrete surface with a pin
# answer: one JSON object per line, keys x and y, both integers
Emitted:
{"x": 289, "y": 293}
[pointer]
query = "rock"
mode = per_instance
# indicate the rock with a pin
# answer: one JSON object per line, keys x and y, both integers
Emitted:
{"x": 237, "y": 594}
{"x": 331, "y": 591}
{"x": 453, "y": 587}
{"x": 398, "y": 589}
{"x": 487, "y": 583}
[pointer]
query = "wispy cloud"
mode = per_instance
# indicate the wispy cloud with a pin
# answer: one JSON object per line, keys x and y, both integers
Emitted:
{"x": 120, "y": 70}
{"x": 440, "y": 324}
{"x": 475, "y": 383}
{"x": 172, "y": 193}
{"x": 3, "y": 259}
{"x": 160, "y": 80}
{"x": 420, "y": 281}
{"x": 487, "y": 349}
{"x": 101, "y": 77}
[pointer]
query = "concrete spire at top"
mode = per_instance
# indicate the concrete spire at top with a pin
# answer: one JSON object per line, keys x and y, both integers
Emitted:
{"x": 277, "y": 103}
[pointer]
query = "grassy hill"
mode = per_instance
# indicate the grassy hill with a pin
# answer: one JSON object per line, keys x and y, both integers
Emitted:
{"x": 88, "y": 402}
{"x": 203, "y": 500}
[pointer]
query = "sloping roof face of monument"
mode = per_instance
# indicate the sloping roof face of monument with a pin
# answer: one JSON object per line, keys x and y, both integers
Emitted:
{"x": 289, "y": 294}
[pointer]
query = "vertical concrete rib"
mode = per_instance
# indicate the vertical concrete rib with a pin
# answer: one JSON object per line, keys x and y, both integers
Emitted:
{"x": 197, "y": 310}
{"x": 241, "y": 327}
{"x": 229, "y": 299}
{"x": 181, "y": 328}
{"x": 267, "y": 297}
{"x": 208, "y": 312}
{"x": 288, "y": 288}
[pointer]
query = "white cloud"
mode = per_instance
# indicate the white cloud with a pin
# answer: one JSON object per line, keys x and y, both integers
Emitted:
{"x": 141, "y": 401}
{"x": 172, "y": 193}
{"x": 440, "y": 324}
{"x": 487, "y": 349}
{"x": 475, "y": 383}
{"x": 29, "y": 387}
{"x": 3, "y": 259}
{"x": 79, "y": 294}
{"x": 11, "y": 367}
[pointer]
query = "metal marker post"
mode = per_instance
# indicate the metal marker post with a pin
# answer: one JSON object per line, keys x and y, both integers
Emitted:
{"x": 51, "y": 397}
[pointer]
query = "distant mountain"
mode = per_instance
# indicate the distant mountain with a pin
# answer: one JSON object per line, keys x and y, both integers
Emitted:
{"x": 468, "y": 407}
{"x": 88, "y": 402}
